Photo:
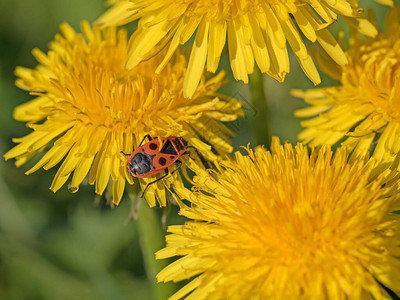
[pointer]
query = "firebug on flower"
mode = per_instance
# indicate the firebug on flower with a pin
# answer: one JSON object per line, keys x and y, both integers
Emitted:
{"x": 148, "y": 159}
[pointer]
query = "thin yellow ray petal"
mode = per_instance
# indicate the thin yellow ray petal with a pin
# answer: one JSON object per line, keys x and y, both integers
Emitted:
{"x": 338, "y": 119}
{"x": 65, "y": 170}
{"x": 217, "y": 39}
{"x": 159, "y": 188}
{"x": 201, "y": 107}
{"x": 281, "y": 11}
{"x": 176, "y": 11}
{"x": 25, "y": 78}
{"x": 25, "y": 142}
{"x": 341, "y": 6}
{"x": 274, "y": 27}
{"x": 81, "y": 170}
{"x": 391, "y": 142}
{"x": 221, "y": 116}
{"x": 363, "y": 26}
{"x": 259, "y": 46}
{"x": 310, "y": 94}
{"x": 245, "y": 30}
{"x": 87, "y": 30}
{"x": 115, "y": 167}
{"x": 166, "y": 252}
{"x": 128, "y": 177}
{"x": 327, "y": 14}
{"x": 182, "y": 267}
{"x": 56, "y": 158}
{"x": 185, "y": 30}
{"x": 118, "y": 190}
{"x": 41, "y": 57}
{"x": 294, "y": 39}
{"x": 247, "y": 51}
{"x": 70, "y": 162}
{"x": 159, "y": 46}
{"x": 58, "y": 182}
{"x": 307, "y": 135}
{"x": 202, "y": 147}
{"x": 144, "y": 42}
{"x": 331, "y": 46}
{"x": 305, "y": 24}
{"x": 386, "y": 2}
{"x": 150, "y": 196}
{"x": 68, "y": 31}
{"x": 103, "y": 173}
{"x": 236, "y": 56}
{"x": 197, "y": 60}
{"x": 330, "y": 138}
{"x": 31, "y": 110}
{"x": 326, "y": 63}
{"x": 221, "y": 129}
{"x": 314, "y": 19}
{"x": 362, "y": 148}
{"x": 309, "y": 68}
{"x": 54, "y": 155}
{"x": 279, "y": 57}
{"x": 94, "y": 168}
{"x": 212, "y": 138}
{"x": 120, "y": 13}
{"x": 189, "y": 29}
{"x": 98, "y": 136}
{"x": 311, "y": 111}
{"x": 202, "y": 293}
{"x": 21, "y": 160}
{"x": 56, "y": 130}
{"x": 162, "y": 14}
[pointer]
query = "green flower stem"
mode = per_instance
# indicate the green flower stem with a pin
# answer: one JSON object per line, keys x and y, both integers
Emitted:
{"x": 152, "y": 239}
{"x": 261, "y": 120}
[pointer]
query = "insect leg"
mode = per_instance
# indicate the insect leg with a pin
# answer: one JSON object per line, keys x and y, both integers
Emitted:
{"x": 146, "y": 136}
{"x": 179, "y": 164}
{"x": 158, "y": 179}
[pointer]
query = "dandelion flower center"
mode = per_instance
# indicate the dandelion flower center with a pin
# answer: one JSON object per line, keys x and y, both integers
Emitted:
{"x": 287, "y": 225}
{"x": 94, "y": 109}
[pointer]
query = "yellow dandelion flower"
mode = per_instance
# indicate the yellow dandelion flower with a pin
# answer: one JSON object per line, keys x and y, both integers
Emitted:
{"x": 255, "y": 30}
{"x": 287, "y": 224}
{"x": 89, "y": 108}
{"x": 365, "y": 107}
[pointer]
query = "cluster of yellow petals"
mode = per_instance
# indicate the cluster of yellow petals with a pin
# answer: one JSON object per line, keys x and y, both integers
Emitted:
{"x": 365, "y": 108}
{"x": 255, "y": 31}
{"x": 288, "y": 224}
{"x": 89, "y": 108}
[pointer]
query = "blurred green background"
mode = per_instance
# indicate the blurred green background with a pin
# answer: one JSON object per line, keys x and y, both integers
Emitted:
{"x": 63, "y": 246}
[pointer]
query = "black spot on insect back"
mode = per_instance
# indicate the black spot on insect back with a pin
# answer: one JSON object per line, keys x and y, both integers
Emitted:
{"x": 153, "y": 146}
{"x": 162, "y": 161}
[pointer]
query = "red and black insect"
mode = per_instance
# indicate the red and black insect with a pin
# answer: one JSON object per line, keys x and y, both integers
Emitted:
{"x": 149, "y": 159}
